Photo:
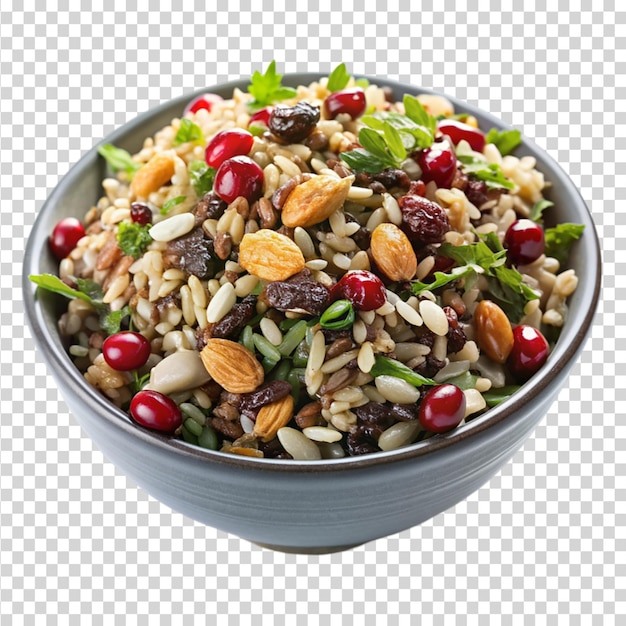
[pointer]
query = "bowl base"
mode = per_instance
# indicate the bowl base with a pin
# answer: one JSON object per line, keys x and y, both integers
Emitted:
{"x": 307, "y": 550}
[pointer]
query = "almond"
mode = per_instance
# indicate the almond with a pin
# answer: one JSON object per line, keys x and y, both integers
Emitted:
{"x": 232, "y": 366}
{"x": 393, "y": 252}
{"x": 315, "y": 200}
{"x": 270, "y": 255}
{"x": 272, "y": 417}
{"x": 493, "y": 330}
{"x": 153, "y": 175}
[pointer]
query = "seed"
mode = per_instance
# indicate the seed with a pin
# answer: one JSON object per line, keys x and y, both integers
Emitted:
{"x": 409, "y": 313}
{"x": 298, "y": 445}
{"x": 221, "y": 303}
{"x": 333, "y": 365}
{"x": 304, "y": 242}
{"x": 271, "y": 331}
{"x": 323, "y": 434}
{"x": 474, "y": 401}
{"x": 348, "y": 394}
{"x": 366, "y": 358}
{"x": 398, "y": 435}
{"x": 434, "y": 317}
{"x": 359, "y": 193}
{"x": 266, "y": 348}
{"x": 396, "y": 390}
{"x": 172, "y": 227}
{"x": 394, "y": 214}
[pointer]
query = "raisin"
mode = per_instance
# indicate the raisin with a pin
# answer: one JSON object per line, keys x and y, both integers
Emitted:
{"x": 293, "y": 124}
{"x": 269, "y": 392}
{"x": 357, "y": 443}
{"x": 210, "y": 206}
{"x": 298, "y": 292}
{"x": 405, "y": 412}
{"x": 456, "y": 336}
{"x": 235, "y": 319}
{"x": 194, "y": 254}
{"x": 373, "y": 418}
{"x": 423, "y": 221}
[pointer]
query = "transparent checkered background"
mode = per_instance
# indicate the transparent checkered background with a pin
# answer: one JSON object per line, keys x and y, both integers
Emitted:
{"x": 544, "y": 541}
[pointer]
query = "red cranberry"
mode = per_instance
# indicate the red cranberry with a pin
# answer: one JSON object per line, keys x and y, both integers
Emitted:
{"x": 154, "y": 410}
{"x": 227, "y": 144}
{"x": 140, "y": 213}
{"x": 458, "y": 131}
{"x": 262, "y": 116}
{"x": 205, "y": 101}
{"x": 438, "y": 163}
{"x": 126, "y": 350}
{"x": 529, "y": 353}
{"x": 350, "y": 101}
{"x": 442, "y": 408}
{"x": 525, "y": 242}
{"x": 238, "y": 176}
{"x": 365, "y": 290}
{"x": 66, "y": 234}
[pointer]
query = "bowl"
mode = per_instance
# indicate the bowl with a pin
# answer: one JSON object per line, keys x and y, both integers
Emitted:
{"x": 300, "y": 506}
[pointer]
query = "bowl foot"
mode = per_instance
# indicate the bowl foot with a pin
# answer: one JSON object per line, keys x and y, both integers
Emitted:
{"x": 306, "y": 550}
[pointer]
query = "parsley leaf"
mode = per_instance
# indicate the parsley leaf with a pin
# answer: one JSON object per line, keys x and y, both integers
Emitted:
{"x": 268, "y": 88}
{"x": 538, "y": 209}
{"x": 338, "y": 78}
{"x": 505, "y": 140}
{"x": 361, "y": 160}
{"x": 384, "y": 366}
{"x": 560, "y": 238}
{"x": 488, "y": 172}
{"x": 118, "y": 159}
{"x": 171, "y": 203}
{"x": 416, "y": 112}
{"x": 442, "y": 279}
{"x": 188, "y": 131}
{"x": 111, "y": 321}
{"x": 90, "y": 288}
{"x": 201, "y": 176}
{"x": 53, "y": 283}
{"x": 133, "y": 238}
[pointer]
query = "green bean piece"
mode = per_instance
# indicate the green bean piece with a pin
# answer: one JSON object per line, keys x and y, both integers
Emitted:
{"x": 268, "y": 365}
{"x": 246, "y": 338}
{"x": 338, "y": 316}
{"x": 301, "y": 355}
{"x": 266, "y": 348}
{"x": 294, "y": 380}
{"x": 293, "y": 337}
{"x": 193, "y": 412}
{"x": 193, "y": 427}
{"x": 281, "y": 371}
{"x": 288, "y": 323}
{"x": 208, "y": 439}
{"x": 188, "y": 436}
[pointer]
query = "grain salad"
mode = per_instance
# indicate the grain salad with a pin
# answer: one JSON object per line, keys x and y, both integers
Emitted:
{"x": 314, "y": 272}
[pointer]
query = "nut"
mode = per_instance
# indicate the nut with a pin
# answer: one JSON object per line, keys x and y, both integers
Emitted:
{"x": 393, "y": 252}
{"x": 315, "y": 200}
{"x": 232, "y": 366}
{"x": 153, "y": 175}
{"x": 310, "y": 415}
{"x": 270, "y": 255}
{"x": 273, "y": 417}
{"x": 493, "y": 330}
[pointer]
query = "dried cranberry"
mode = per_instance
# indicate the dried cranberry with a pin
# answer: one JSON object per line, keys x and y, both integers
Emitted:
{"x": 262, "y": 116}
{"x": 226, "y": 144}
{"x": 438, "y": 164}
{"x": 525, "y": 242}
{"x": 293, "y": 124}
{"x": 529, "y": 353}
{"x": 238, "y": 176}
{"x": 66, "y": 234}
{"x": 126, "y": 350}
{"x": 423, "y": 221}
{"x": 205, "y": 101}
{"x": 154, "y": 410}
{"x": 140, "y": 213}
{"x": 365, "y": 290}
{"x": 347, "y": 101}
{"x": 442, "y": 408}
{"x": 458, "y": 131}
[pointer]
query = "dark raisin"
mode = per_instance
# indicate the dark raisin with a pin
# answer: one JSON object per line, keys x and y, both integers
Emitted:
{"x": 194, "y": 254}
{"x": 210, "y": 206}
{"x": 456, "y": 336}
{"x": 423, "y": 221}
{"x": 405, "y": 412}
{"x": 298, "y": 292}
{"x": 293, "y": 124}
{"x": 273, "y": 450}
{"x": 373, "y": 418}
{"x": 358, "y": 443}
{"x": 269, "y": 392}
{"x": 235, "y": 319}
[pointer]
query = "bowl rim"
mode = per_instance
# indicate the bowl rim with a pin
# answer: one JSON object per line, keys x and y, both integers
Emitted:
{"x": 562, "y": 356}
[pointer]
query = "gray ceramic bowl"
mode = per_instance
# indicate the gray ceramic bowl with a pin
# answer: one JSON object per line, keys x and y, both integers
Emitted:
{"x": 292, "y": 505}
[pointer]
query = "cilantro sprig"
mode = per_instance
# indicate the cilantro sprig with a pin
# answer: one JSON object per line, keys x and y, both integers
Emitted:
{"x": 201, "y": 176}
{"x": 133, "y": 238}
{"x": 268, "y": 88}
{"x": 560, "y": 238}
{"x": 188, "y": 132}
{"x": 171, "y": 203}
{"x": 119, "y": 159}
{"x": 474, "y": 163}
{"x": 505, "y": 140}
{"x": 338, "y": 78}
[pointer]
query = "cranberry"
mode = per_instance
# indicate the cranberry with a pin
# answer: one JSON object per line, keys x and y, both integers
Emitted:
{"x": 458, "y": 131}
{"x": 438, "y": 163}
{"x": 238, "y": 176}
{"x": 154, "y": 410}
{"x": 349, "y": 101}
{"x": 205, "y": 101}
{"x": 262, "y": 116}
{"x": 140, "y": 213}
{"x": 226, "y": 144}
{"x": 65, "y": 236}
{"x": 126, "y": 350}
{"x": 529, "y": 353}
{"x": 442, "y": 408}
{"x": 525, "y": 242}
{"x": 365, "y": 290}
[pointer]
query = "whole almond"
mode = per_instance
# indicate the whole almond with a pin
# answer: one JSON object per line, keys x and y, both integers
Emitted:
{"x": 153, "y": 175}
{"x": 393, "y": 252}
{"x": 270, "y": 255}
{"x": 232, "y": 366}
{"x": 493, "y": 330}
{"x": 273, "y": 417}
{"x": 315, "y": 200}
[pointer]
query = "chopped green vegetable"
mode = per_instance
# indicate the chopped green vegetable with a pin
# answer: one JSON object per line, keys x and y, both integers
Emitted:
{"x": 53, "y": 283}
{"x": 268, "y": 88}
{"x": 560, "y": 238}
{"x": 495, "y": 396}
{"x": 384, "y": 366}
{"x": 491, "y": 173}
{"x": 133, "y": 238}
{"x": 201, "y": 176}
{"x": 188, "y": 131}
{"x": 538, "y": 209}
{"x": 466, "y": 380}
{"x": 171, "y": 203}
{"x": 505, "y": 140}
{"x": 338, "y": 316}
{"x": 118, "y": 159}
{"x": 338, "y": 78}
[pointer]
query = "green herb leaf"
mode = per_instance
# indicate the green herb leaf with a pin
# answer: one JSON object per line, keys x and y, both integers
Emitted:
{"x": 267, "y": 88}
{"x": 415, "y": 111}
{"x": 560, "y": 239}
{"x": 188, "y": 131}
{"x": 118, "y": 159}
{"x": 53, "y": 283}
{"x": 338, "y": 78}
{"x": 505, "y": 140}
{"x": 539, "y": 208}
{"x": 338, "y": 316}
{"x": 464, "y": 381}
{"x": 442, "y": 279}
{"x": 361, "y": 160}
{"x": 133, "y": 238}
{"x": 111, "y": 321}
{"x": 139, "y": 382}
{"x": 384, "y": 366}
{"x": 201, "y": 176}
{"x": 491, "y": 173}
{"x": 495, "y": 396}
{"x": 90, "y": 288}
{"x": 363, "y": 83}
{"x": 171, "y": 203}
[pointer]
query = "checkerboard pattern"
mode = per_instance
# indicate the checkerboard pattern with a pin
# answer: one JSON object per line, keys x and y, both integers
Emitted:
{"x": 543, "y": 542}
